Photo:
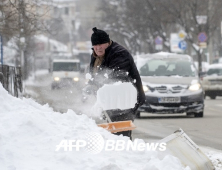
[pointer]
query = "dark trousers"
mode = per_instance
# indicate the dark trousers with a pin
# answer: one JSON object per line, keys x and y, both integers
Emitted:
{"x": 122, "y": 115}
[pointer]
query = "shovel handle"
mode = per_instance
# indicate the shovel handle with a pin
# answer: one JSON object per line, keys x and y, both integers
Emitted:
{"x": 107, "y": 116}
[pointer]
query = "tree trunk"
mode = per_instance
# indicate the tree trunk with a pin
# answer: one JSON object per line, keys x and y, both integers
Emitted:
{"x": 199, "y": 61}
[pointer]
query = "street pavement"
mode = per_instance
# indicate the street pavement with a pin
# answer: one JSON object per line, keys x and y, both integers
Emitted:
{"x": 206, "y": 131}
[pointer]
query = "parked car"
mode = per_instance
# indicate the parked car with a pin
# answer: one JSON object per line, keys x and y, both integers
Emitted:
{"x": 171, "y": 84}
{"x": 212, "y": 82}
{"x": 203, "y": 72}
{"x": 217, "y": 60}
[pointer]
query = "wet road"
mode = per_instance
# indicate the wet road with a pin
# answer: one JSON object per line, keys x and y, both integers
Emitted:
{"x": 206, "y": 131}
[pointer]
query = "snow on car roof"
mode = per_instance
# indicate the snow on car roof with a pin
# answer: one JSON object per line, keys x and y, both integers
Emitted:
{"x": 215, "y": 66}
{"x": 141, "y": 59}
{"x": 64, "y": 60}
{"x": 166, "y": 55}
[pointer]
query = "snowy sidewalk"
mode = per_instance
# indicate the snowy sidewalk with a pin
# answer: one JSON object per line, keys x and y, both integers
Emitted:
{"x": 214, "y": 155}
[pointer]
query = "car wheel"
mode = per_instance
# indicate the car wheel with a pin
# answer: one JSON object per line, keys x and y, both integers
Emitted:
{"x": 200, "y": 114}
{"x": 138, "y": 114}
{"x": 213, "y": 96}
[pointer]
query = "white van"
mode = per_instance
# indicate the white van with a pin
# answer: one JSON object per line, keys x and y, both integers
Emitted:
{"x": 65, "y": 72}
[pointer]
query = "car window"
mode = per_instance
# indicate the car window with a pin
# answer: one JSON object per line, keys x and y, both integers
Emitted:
{"x": 167, "y": 67}
{"x": 213, "y": 71}
{"x": 154, "y": 64}
{"x": 65, "y": 66}
{"x": 171, "y": 67}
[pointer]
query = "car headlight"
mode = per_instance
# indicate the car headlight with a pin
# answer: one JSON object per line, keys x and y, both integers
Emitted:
{"x": 194, "y": 87}
{"x": 56, "y": 78}
{"x": 76, "y": 79}
{"x": 145, "y": 88}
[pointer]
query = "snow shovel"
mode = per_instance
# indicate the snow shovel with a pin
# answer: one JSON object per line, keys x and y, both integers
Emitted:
{"x": 117, "y": 96}
{"x": 115, "y": 127}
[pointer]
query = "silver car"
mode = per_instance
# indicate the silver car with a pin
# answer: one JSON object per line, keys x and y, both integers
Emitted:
{"x": 171, "y": 84}
{"x": 212, "y": 82}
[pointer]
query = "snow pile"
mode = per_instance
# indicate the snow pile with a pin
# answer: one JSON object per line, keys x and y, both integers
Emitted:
{"x": 216, "y": 158}
{"x": 29, "y": 133}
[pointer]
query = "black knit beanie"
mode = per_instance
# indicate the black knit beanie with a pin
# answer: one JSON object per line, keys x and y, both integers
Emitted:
{"x": 99, "y": 37}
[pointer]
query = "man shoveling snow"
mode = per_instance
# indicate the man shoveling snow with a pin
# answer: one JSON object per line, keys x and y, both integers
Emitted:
{"x": 110, "y": 62}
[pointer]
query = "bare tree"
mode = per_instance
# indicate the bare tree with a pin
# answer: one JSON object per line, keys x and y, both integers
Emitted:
{"x": 17, "y": 14}
{"x": 134, "y": 23}
{"x": 185, "y": 15}
{"x": 21, "y": 19}
{"x": 139, "y": 22}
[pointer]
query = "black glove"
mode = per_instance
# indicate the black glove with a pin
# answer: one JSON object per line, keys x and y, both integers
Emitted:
{"x": 142, "y": 98}
{"x": 136, "y": 107}
{"x": 140, "y": 101}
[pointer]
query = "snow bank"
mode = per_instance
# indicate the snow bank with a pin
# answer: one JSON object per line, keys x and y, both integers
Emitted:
{"x": 29, "y": 133}
{"x": 216, "y": 157}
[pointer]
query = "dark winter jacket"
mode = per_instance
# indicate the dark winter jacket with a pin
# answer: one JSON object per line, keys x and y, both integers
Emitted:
{"x": 118, "y": 65}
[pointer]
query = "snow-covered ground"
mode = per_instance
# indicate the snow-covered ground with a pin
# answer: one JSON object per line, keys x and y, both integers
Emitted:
{"x": 30, "y": 132}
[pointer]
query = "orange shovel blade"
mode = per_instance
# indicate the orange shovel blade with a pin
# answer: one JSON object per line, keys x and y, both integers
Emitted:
{"x": 120, "y": 126}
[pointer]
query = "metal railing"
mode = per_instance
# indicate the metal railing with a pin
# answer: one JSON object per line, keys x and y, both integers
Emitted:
{"x": 11, "y": 79}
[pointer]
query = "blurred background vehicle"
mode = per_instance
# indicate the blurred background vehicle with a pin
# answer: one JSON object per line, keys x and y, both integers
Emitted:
{"x": 212, "y": 82}
{"x": 65, "y": 72}
{"x": 205, "y": 66}
{"x": 171, "y": 84}
{"x": 217, "y": 60}
{"x": 203, "y": 72}
{"x": 84, "y": 58}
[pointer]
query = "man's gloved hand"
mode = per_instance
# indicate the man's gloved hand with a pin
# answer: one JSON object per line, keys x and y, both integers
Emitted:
{"x": 136, "y": 107}
{"x": 141, "y": 99}
{"x": 140, "y": 102}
